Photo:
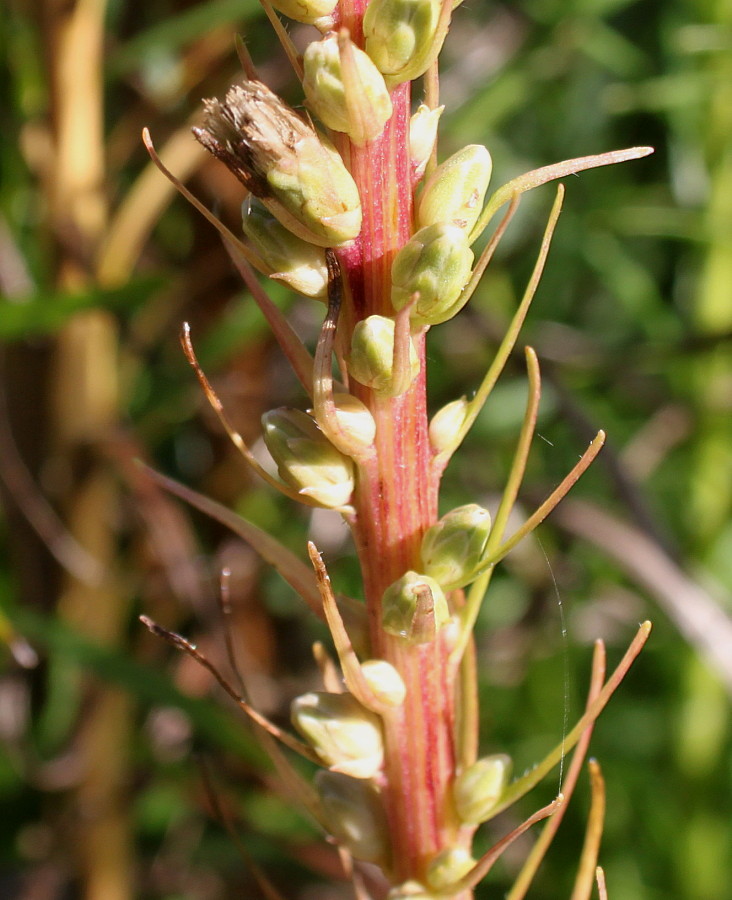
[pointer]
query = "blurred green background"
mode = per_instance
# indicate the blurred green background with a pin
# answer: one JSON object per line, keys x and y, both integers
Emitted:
{"x": 110, "y": 747}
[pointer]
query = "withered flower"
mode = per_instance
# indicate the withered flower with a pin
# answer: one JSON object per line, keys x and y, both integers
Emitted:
{"x": 281, "y": 158}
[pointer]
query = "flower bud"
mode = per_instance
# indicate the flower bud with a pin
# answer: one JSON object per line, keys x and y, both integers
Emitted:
{"x": 446, "y": 424}
{"x": 292, "y": 261}
{"x": 454, "y": 547}
{"x": 414, "y": 608}
{"x": 354, "y": 815}
{"x": 436, "y": 262}
{"x": 309, "y": 12}
{"x": 478, "y": 788}
{"x": 297, "y": 174}
{"x": 384, "y": 681}
{"x": 410, "y": 890}
{"x": 306, "y": 459}
{"x": 401, "y": 36}
{"x": 448, "y": 867}
{"x": 361, "y": 113}
{"x": 371, "y": 360}
{"x": 422, "y": 136}
{"x": 455, "y": 191}
{"x": 355, "y": 418}
{"x": 345, "y": 736}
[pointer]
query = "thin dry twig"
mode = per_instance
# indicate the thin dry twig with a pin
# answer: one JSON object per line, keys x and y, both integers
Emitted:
{"x": 181, "y": 643}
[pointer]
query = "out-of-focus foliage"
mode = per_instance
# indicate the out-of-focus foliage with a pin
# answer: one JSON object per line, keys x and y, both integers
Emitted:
{"x": 632, "y": 324}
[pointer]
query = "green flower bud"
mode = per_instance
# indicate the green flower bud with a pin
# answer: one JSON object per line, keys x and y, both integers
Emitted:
{"x": 297, "y": 174}
{"x": 345, "y": 736}
{"x": 309, "y": 12}
{"x": 455, "y": 191}
{"x": 360, "y": 114}
{"x": 354, "y": 815}
{"x": 414, "y": 607}
{"x": 453, "y": 548}
{"x": 355, "y": 418}
{"x": 410, "y": 890}
{"x": 478, "y": 789}
{"x": 292, "y": 261}
{"x": 371, "y": 358}
{"x": 446, "y": 424}
{"x": 448, "y": 867}
{"x": 436, "y": 262}
{"x": 306, "y": 459}
{"x": 401, "y": 37}
{"x": 422, "y": 136}
{"x": 385, "y": 682}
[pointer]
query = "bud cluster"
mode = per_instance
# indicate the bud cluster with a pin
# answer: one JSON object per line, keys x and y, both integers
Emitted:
{"x": 431, "y": 271}
{"x": 302, "y": 200}
{"x": 407, "y": 802}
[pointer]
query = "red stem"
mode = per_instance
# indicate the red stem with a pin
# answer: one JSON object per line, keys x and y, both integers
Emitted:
{"x": 395, "y": 502}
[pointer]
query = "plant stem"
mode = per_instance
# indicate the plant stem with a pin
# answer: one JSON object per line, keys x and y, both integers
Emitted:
{"x": 395, "y": 502}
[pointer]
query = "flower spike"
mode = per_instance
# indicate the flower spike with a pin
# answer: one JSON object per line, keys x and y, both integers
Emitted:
{"x": 404, "y": 37}
{"x": 318, "y": 473}
{"x": 455, "y": 191}
{"x": 286, "y": 258}
{"x": 423, "y": 138}
{"x": 345, "y": 736}
{"x": 353, "y": 813}
{"x": 361, "y": 216}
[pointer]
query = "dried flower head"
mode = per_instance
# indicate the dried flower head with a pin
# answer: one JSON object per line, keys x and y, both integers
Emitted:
{"x": 281, "y": 158}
